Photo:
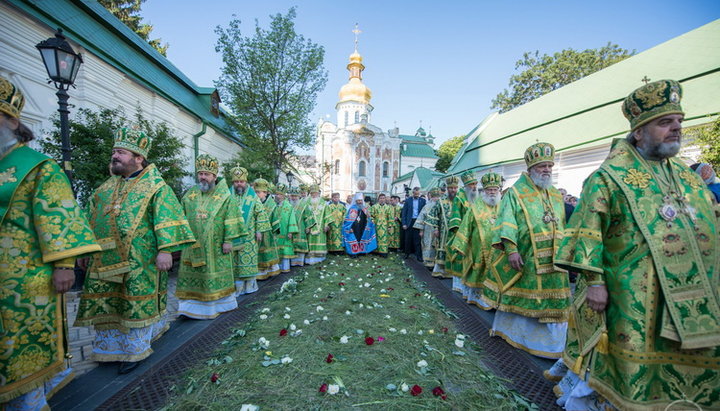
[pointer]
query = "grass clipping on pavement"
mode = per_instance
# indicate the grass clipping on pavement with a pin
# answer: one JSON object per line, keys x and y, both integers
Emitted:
{"x": 347, "y": 333}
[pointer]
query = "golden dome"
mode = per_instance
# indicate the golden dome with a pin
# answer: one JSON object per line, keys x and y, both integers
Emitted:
{"x": 355, "y": 90}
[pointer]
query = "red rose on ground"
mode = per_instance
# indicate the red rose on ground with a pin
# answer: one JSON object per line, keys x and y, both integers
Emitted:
{"x": 341, "y": 284}
{"x": 438, "y": 391}
{"x": 412, "y": 307}
{"x": 329, "y": 358}
{"x": 390, "y": 289}
{"x": 283, "y": 332}
{"x": 323, "y": 388}
{"x": 214, "y": 377}
{"x": 445, "y": 330}
{"x": 416, "y": 390}
{"x": 369, "y": 341}
{"x": 417, "y": 294}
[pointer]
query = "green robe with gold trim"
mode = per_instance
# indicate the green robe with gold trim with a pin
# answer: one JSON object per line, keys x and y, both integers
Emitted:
{"x": 285, "y": 215}
{"x": 658, "y": 340}
{"x": 42, "y": 226}
{"x": 394, "y": 230}
{"x": 300, "y": 244}
{"x": 473, "y": 242}
{"x": 382, "y": 215}
{"x": 460, "y": 207}
{"x": 336, "y": 216}
{"x": 206, "y": 273}
{"x": 268, "y": 259}
{"x": 531, "y": 222}
{"x": 133, "y": 220}
{"x": 438, "y": 219}
{"x": 316, "y": 218}
{"x": 245, "y": 248}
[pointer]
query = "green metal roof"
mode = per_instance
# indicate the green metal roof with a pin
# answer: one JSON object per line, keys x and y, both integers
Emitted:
{"x": 89, "y": 24}
{"x": 586, "y": 113}
{"x": 414, "y": 139}
{"x": 417, "y": 150}
{"x": 425, "y": 176}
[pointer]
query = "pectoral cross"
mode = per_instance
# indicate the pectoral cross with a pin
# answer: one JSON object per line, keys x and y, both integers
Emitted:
{"x": 645, "y": 80}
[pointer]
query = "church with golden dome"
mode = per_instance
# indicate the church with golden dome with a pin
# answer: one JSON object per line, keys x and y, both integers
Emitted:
{"x": 358, "y": 156}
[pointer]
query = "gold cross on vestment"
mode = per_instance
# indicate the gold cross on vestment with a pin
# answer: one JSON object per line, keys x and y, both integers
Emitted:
{"x": 357, "y": 32}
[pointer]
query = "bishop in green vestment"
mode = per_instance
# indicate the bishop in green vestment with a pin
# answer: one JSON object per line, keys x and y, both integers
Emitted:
{"x": 531, "y": 295}
{"x": 394, "y": 230}
{"x": 317, "y": 224}
{"x": 268, "y": 259}
{"x": 438, "y": 218}
{"x": 284, "y": 213}
{"x": 473, "y": 240}
{"x": 382, "y": 215}
{"x": 645, "y": 325}
{"x": 257, "y": 224}
{"x": 336, "y": 215}
{"x": 206, "y": 282}
{"x": 300, "y": 244}
{"x": 138, "y": 222}
{"x": 42, "y": 231}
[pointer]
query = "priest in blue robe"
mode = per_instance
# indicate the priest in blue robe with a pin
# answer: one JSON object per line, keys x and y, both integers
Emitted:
{"x": 358, "y": 229}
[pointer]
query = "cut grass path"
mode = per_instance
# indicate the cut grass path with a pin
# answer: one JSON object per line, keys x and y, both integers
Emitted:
{"x": 330, "y": 312}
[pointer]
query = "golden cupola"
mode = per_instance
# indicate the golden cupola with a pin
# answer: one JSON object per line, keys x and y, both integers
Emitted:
{"x": 355, "y": 90}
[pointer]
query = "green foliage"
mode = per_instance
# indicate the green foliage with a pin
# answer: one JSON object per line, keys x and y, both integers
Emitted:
{"x": 447, "y": 152}
{"x": 270, "y": 81}
{"x": 128, "y": 11}
{"x": 542, "y": 74}
{"x": 708, "y": 138}
{"x": 91, "y": 142}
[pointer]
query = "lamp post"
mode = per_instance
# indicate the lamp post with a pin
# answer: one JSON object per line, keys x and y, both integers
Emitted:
{"x": 62, "y": 65}
{"x": 290, "y": 177}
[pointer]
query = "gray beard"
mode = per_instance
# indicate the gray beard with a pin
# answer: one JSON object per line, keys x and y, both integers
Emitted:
{"x": 240, "y": 191}
{"x": 472, "y": 195}
{"x": 491, "y": 200}
{"x": 660, "y": 151}
{"x": 293, "y": 202}
{"x": 7, "y": 140}
{"x": 315, "y": 200}
{"x": 205, "y": 186}
{"x": 544, "y": 182}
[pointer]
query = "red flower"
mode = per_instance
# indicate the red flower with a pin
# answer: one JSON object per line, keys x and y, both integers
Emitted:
{"x": 323, "y": 388}
{"x": 381, "y": 339}
{"x": 444, "y": 330}
{"x": 369, "y": 341}
{"x": 438, "y": 391}
{"x": 283, "y": 332}
{"x": 444, "y": 396}
{"x": 412, "y": 307}
{"x": 417, "y": 294}
{"x": 341, "y": 284}
{"x": 416, "y": 390}
{"x": 329, "y": 358}
{"x": 390, "y": 289}
{"x": 215, "y": 377}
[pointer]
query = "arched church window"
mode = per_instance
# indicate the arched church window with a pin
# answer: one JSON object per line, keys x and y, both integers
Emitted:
{"x": 347, "y": 118}
{"x": 337, "y": 166}
{"x": 361, "y": 168}
{"x": 386, "y": 169}
{"x": 357, "y": 117}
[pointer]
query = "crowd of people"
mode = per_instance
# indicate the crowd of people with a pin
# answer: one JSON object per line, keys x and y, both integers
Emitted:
{"x": 639, "y": 329}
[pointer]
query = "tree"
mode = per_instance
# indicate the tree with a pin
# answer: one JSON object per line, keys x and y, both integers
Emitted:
{"x": 91, "y": 142}
{"x": 543, "y": 74}
{"x": 708, "y": 138}
{"x": 447, "y": 152}
{"x": 128, "y": 11}
{"x": 271, "y": 81}
{"x": 255, "y": 162}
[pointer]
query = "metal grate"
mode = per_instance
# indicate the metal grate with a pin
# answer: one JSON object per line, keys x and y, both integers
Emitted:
{"x": 504, "y": 360}
{"x": 151, "y": 389}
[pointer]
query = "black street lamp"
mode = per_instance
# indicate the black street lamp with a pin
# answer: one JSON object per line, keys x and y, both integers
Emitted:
{"x": 62, "y": 65}
{"x": 290, "y": 177}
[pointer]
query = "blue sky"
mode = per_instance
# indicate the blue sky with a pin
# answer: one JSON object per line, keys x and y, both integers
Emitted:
{"x": 439, "y": 62}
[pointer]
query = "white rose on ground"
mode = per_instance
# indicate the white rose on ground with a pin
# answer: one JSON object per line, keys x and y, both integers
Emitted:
{"x": 344, "y": 339}
{"x": 422, "y": 364}
{"x": 333, "y": 389}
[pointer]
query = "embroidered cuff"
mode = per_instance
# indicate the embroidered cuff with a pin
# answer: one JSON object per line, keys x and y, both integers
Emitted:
{"x": 65, "y": 263}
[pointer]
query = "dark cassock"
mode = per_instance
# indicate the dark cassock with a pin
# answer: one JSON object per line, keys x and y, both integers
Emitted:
{"x": 359, "y": 229}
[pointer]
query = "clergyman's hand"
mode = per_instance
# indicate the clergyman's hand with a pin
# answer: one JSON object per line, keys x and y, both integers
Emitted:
{"x": 597, "y": 297}
{"x": 516, "y": 262}
{"x": 163, "y": 261}
{"x": 258, "y": 237}
{"x": 227, "y": 248}
{"x": 83, "y": 262}
{"x": 420, "y": 233}
{"x": 63, "y": 279}
{"x": 436, "y": 233}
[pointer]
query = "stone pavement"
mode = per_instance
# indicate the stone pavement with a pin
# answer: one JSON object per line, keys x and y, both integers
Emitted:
{"x": 80, "y": 339}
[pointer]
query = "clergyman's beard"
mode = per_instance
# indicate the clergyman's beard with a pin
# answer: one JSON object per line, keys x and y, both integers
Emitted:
{"x": 204, "y": 186}
{"x": 659, "y": 151}
{"x": 472, "y": 195}
{"x": 542, "y": 181}
{"x": 118, "y": 168}
{"x": 315, "y": 200}
{"x": 240, "y": 191}
{"x": 491, "y": 199}
{"x": 294, "y": 202}
{"x": 7, "y": 139}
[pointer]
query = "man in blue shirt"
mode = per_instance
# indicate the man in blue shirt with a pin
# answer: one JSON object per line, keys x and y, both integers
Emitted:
{"x": 408, "y": 215}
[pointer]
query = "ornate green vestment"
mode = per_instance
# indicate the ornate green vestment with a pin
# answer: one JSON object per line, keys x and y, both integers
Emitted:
{"x": 245, "y": 247}
{"x": 648, "y": 232}
{"x": 267, "y": 248}
{"x": 382, "y": 215}
{"x": 316, "y": 218}
{"x": 133, "y": 220}
{"x": 285, "y": 215}
{"x": 206, "y": 273}
{"x": 300, "y": 243}
{"x": 41, "y": 225}
{"x": 531, "y": 222}
{"x": 394, "y": 230}
{"x": 473, "y": 242}
{"x": 458, "y": 210}
{"x": 336, "y": 216}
